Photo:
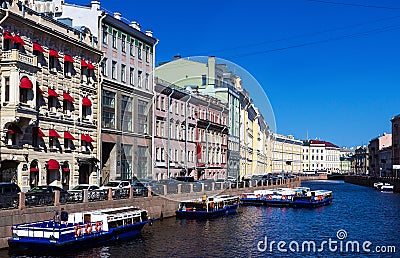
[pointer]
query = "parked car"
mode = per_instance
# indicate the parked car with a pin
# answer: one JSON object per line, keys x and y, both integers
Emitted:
{"x": 116, "y": 185}
{"x": 139, "y": 189}
{"x": 37, "y": 195}
{"x": 46, "y": 189}
{"x": 9, "y": 188}
{"x": 85, "y": 186}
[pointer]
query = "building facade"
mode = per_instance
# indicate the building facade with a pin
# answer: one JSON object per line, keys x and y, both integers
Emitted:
{"x": 320, "y": 156}
{"x": 360, "y": 160}
{"x": 126, "y": 93}
{"x": 396, "y": 145}
{"x": 379, "y": 159}
{"x": 215, "y": 80}
{"x": 49, "y": 100}
{"x": 286, "y": 154}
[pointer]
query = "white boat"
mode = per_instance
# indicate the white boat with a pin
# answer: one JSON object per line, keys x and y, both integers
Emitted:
{"x": 386, "y": 187}
{"x": 378, "y": 185}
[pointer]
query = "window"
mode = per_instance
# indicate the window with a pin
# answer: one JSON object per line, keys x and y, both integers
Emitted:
{"x": 162, "y": 154}
{"x": 142, "y": 116}
{"x": 114, "y": 70}
{"x": 139, "y": 78}
{"x": 67, "y": 107}
{"x": 123, "y": 43}
{"x": 7, "y": 89}
{"x": 147, "y": 53}
{"x": 23, "y": 95}
{"x": 126, "y": 162}
{"x": 162, "y": 104}
{"x": 114, "y": 38}
{"x": 52, "y": 104}
{"x": 104, "y": 34}
{"x": 162, "y": 128}
{"x": 126, "y": 114}
{"x": 68, "y": 67}
{"x": 140, "y": 50}
{"x": 158, "y": 128}
{"x": 104, "y": 67}
{"x": 123, "y": 72}
{"x": 108, "y": 109}
{"x": 132, "y": 47}
{"x": 203, "y": 79}
{"x": 132, "y": 76}
{"x": 142, "y": 162}
{"x": 146, "y": 82}
{"x": 322, "y": 157}
{"x": 53, "y": 64}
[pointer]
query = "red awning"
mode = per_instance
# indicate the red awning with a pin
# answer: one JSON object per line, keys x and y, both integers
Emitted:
{"x": 52, "y": 93}
{"x": 34, "y": 169}
{"x": 53, "y": 53}
{"x": 37, "y": 47}
{"x": 83, "y": 63}
{"x": 68, "y": 97}
{"x": 25, "y": 83}
{"x": 65, "y": 169}
{"x": 7, "y": 35}
{"x": 53, "y": 165}
{"x": 86, "y": 102}
{"x": 17, "y": 39}
{"x": 14, "y": 129}
{"x": 53, "y": 133}
{"x": 90, "y": 66}
{"x": 86, "y": 138}
{"x": 38, "y": 132}
{"x": 40, "y": 90}
{"x": 68, "y": 58}
{"x": 68, "y": 135}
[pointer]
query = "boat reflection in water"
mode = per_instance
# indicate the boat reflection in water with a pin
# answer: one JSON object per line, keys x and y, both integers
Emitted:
{"x": 208, "y": 207}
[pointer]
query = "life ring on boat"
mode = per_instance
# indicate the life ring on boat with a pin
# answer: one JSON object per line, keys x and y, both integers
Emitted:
{"x": 98, "y": 226}
{"x": 269, "y": 197}
{"x": 258, "y": 196}
{"x": 283, "y": 197}
{"x": 88, "y": 228}
{"x": 320, "y": 197}
{"x": 77, "y": 230}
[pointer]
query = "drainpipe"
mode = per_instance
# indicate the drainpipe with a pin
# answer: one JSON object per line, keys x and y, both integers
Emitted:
{"x": 186, "y": 133}
{"x": 99, "y": 104}
{"x": 153, "y": 149}
{"x": 208, "y": 126}
{"x": 169, "y": 134}
{"x": 23, "y": 10}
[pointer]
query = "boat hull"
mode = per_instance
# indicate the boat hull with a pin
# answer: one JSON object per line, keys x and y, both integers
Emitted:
{"x": 277, "y": 203}
{"x": 25, "y": 244}
{"x": 231, "y": 209}
{"x": 310, "y": 204}
{"x": 252, "y": 201}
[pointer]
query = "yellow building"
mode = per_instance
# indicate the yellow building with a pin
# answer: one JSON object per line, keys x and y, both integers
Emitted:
{"x": 286, "y": 154}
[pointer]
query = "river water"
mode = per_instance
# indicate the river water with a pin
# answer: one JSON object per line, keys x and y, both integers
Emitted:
{"x": 359, "y": 216}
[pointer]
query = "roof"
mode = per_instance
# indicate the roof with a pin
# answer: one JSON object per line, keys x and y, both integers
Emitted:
{"x": 325, "y": 143}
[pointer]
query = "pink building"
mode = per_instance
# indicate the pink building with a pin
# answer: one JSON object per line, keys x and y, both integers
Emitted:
{"x": 187, "y": 124}
{"x": 380, "y": 159}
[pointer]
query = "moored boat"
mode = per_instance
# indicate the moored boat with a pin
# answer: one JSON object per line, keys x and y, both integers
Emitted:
{"x": 281, "y": 197}
{"x": 386, "y": 187}
{"x": 83, "y": 230}
{"x": 208, "y": 207}
{"x": 251, "y": 199}
{"x": 312, "y": 199}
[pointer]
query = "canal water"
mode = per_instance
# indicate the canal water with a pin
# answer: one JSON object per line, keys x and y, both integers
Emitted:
{"x": 359, "y": 216}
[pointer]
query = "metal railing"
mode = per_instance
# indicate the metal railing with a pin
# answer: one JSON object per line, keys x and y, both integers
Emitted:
{"x": 97, "y": 195}
{"x": 9, "y": 201}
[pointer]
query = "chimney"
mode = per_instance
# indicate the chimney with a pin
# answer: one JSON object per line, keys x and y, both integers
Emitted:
{"x": 117, "y": 16}
{"x": 149, "y": 33}
{"x": 135, "y": 25}
{"x": 95, "y": 5}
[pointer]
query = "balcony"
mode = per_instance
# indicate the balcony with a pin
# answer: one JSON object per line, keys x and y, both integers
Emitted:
{"x": 16, "y": 56}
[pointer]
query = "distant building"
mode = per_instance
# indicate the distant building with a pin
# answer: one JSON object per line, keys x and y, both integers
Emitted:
{"x": 345, "y": 160}
{"x": 360, "y": 160}
{"x": 396, "y": 144}
{"x": 320, "y": 156}
{"x": 380, "y": 156}
{"x": 286, "y": 154}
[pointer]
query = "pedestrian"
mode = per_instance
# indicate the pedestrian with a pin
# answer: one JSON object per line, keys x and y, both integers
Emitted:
{"x": 64, "y": 216}
{"x": 56, "y": 218}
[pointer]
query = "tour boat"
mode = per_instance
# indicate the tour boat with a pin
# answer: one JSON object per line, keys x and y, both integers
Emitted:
{"x": 256, "y": 198}
{"x": 378, "y": 185}
{"x": 207, "y": 207}
{"x": 281, "y": 197}
{"x": 386, "y": 187}
{"x": 83, "y": 229}
{"x": 312, "y": 199}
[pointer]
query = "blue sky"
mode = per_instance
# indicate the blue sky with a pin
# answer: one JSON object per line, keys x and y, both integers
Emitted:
{"x": 330, "y": 69}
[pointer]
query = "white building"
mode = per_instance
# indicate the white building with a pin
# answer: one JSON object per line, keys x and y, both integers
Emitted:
{"x": 320, "y": 156}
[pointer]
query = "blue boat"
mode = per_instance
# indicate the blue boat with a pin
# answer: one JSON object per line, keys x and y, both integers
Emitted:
{"x": 83, "y": 230}
{"x": 281, "y": 197}
{"x": 208, "y": 207}
{"x": 312, "y": 199}
{"x": 256, "y": 198}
